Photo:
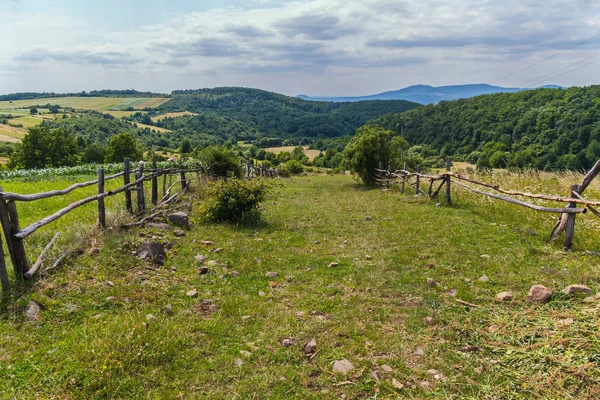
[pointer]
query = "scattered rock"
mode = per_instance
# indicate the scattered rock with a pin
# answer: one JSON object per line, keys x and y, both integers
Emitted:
{"x": 150, "y": 317}
{"x": 152, "y": 251}
{"x": 179, "y": 219}
{"x": 246, "y": 353}
{"x": 368, "y": 218}
{"x": 286, "y": 342}
{"x": 179, "y": 232}
{"x": 539, "y": 294}
{"x": 342, "y": 366}
{"x": 217, "y": 250}
{"x": 159, "y": 225}
{"x": 203, "y": 270}
{"x": 419, "y": 352}
{"x": 317, "y": 242}
{"x": 245, "y": 317}
{"x": 470, "y": 349}
{"x": 32, "y": 311}
{"x": 234, "y": 273}
{"x": 577, "y": 289}
{"x": 257, "y": 260}
{"x": 168, "y": 309}
{"x": 425, "y": 385}
{"x": 273, "y": 284}
{"x": 484, "y": 278}
{"x": 431, "y": 282}
{"x": 566, "y": 322}
{"x": 386, "y": 368}
{"x": 207, "y": 242}
{"x": 432, "y": 372}
{"x": 376, "y": 375}
{"x": 262, "y": 294}
{"x": 397, "y": 384}
{"x": 333, "y": 264}
{"x": 505, "y": 296}
{"x": 94, "y": 250}
{"x": 239, "y": 362}
{"x": 367, "y": 257}
{"x": 452, "y": 292}
{"x": 310, "y": 347}
{"x": 272, "y": 275}
{"x": 200, "y": 258}
{"x": 485, "y": 256}
{"x": 192, "y": 293}
{"x": 429, "y": 320}
{"x": 110, "y": 283}
{"x": 111, "y": 298}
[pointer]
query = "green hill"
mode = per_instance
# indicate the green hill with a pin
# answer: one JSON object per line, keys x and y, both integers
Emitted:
{"x": 544, "y": 128}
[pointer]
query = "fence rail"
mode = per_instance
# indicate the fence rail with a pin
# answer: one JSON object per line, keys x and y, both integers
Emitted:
{"x": 566, "y": 221}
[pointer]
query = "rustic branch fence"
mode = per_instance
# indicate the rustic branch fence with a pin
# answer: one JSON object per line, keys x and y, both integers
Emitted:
{"x": 566, "y": 222}
{"x": 15, "y": 235}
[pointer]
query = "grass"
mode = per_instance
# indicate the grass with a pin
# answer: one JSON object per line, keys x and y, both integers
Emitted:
{"x": 172, "y": 115}
{"x": 311, "y": 154}
{"x": 151, "y": 127}
{"x": 227, "y": 342}
{"x": 84, "y": 103}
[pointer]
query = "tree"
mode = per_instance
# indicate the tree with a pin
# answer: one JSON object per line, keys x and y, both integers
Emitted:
{"x": 370, "y": 146}
{"x": 186, "y": 146}
{"x": 121, "y": 146}
{"x": 222, "y": 161}
{"x": 43, "y": 147}
{"x": 94, "y": 153}
{"x": 33, "y": 110}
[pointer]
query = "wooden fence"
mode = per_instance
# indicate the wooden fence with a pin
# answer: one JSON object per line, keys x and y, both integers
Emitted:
{"x": 15, "y": 235}
{"x": 576, "y": 204}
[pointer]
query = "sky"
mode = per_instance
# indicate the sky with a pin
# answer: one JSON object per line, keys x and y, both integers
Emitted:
{"x": 313, "y": 47}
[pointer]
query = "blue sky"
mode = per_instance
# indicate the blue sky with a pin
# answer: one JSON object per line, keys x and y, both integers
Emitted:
{"x": 315, "y": 47}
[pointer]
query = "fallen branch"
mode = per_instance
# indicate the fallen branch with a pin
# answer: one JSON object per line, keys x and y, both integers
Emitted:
{"x": 58, "y": 261}
{"x": 466, "y": 303}
{"x": 38, "y": 263}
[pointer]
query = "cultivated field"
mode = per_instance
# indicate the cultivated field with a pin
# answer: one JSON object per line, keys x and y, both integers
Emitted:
{"x": 82, "y": 103}
{"x": 172, "y": 115}
{"x": 11, "y": 134}
{"x": 403, "y": 337}
{"x": 151, "y": 127}
{"x": 311, "y": 154}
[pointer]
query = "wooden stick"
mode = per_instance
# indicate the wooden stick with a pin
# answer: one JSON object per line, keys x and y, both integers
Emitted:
{"x": 183, "y": 181}
{"x": 22, "y": 264}
{"x": 448, "y": 182}
{"x": 154, "y": 181}
{"x": 3, "y": 273}
{"x": 58, "y": 261}
{"x": 141, "y": 201}
{"x": 570, "y": 228}
{"x": 592, "y": 209}
{"x": 101, "y": 209}
{"x": 418, "y": 177}
{"x": 466, "y": 303}
{"x": 38, "y": 263}
{"x": 126, "y": 178}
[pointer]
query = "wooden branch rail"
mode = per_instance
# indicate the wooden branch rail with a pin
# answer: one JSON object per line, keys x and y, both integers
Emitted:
{"x": 38, "y": 263}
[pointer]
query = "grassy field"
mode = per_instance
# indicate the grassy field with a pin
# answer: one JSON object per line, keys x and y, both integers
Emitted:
{"x": 11, "y": 134}
{"x": 311, "y": 154}
{"x": 151, "y": 127}
{"x": 172, "y": 115}
{"x": 94, "y": 339}
{"x": 82, "y": 103}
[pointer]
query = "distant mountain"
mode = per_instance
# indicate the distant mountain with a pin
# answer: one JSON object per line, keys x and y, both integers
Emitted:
{"x": 425, "y": 94}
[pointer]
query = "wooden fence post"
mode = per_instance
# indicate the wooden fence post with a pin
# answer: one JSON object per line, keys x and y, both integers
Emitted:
{"x": 570, "y": 229}
{"x": 198, "y": 172}
{"x": 183, "y": 182}
{"x": 101, "y": 210}
{"x": 448, "y": 180}
{"x": 388, "y": 177}
{"x": 418, "y": 179}
{"x": 403, "y": 178}
{"x": 379, "y": 174}
{"x": 154, "y": 181}
{"x": 140, "y": 189}
{"x": 3, "y": 273}
{"x": 16, "y": 248}
{"x": 126, "y": 181}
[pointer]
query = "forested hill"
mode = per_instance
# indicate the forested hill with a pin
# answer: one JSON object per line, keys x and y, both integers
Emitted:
{"x": 543, "y": 128}
{"x": 276, "y": 115}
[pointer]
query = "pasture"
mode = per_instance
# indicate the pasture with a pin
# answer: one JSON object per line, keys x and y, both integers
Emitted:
{"x": 311, "y": 154}
{"x": 20, "y": 107}
{"x": 103, "y": 332}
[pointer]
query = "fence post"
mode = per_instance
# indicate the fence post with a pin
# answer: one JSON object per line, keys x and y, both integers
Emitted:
{"x": 379, "y": 175}
{"x": 198, "y": 172}
{"x": 16, "y": 248}
{"x": 570, "y": 229}
{"x": 154, "y": 181}
{"x": 403, "y": 178}
{"x": 140, "y": 189}
{"x": 126, "y": 181}
{"x": 183, "y": 182}
{"x": 418, "y": 179}
{"x": 389, "y": 174}
{"x": 448, "y": 180}
{"x": 101, "y": 210}
{"x": 3, "y": 273}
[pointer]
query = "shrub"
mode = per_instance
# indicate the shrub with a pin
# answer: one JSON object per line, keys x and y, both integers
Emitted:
{"x": 234, "y": 200}
{"x": 223, "y": 162}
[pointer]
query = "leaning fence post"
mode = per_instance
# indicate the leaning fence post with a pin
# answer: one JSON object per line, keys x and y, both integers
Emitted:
{"x": 403, "y": 178}
{"x": 140, "y": 188}
{"x": 101, "y": 210}
{"x": 126, "y": 177}
{"x": 570, "y": 229}
{"x": 448, "y": 180}
{"x": 16, "y": 248}
{"x": 154, "y": 181}
{"x": 182, "y": 171}
{"x": 418, "y": 179}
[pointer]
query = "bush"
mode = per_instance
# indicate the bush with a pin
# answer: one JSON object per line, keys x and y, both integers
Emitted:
{"x": 223, "y": 162}
{"x": 234, "y": 200}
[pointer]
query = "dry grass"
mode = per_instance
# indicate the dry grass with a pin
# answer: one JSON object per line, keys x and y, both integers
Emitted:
{"x": 172, "y": 115}
{"x": 311, "y": 154}
{"x": 151, "y": 127}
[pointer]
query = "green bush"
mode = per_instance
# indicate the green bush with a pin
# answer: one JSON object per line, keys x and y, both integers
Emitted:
{"x": 295, "y": 167}
{"x": 223, "y": 162}
{"x": 234, "y": 200}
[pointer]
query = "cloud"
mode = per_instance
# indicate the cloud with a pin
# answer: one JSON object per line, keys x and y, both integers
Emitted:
{"x": 79, "y": 57}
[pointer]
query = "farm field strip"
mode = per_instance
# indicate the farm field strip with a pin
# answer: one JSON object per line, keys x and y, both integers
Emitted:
{"x": 156, "y": 128}
{"x": 172, "y": 115}
{"x": 311, "y": 154}
{"x": 86, "y": 103}
{"x": 11, "y": 134}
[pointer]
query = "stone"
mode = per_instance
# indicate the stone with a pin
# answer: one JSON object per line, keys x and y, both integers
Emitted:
{"x": 484, "y": 278}
{"x": 286, "y": 342}
{"x": 367, "y": 257}
{"x": 111, "y": 298}
{"x": 419, "y": 352}
{"x": 32, "y": 311}
{"x": 153, "y": 252}
{"x": 310, "y": 347}
{"x": 203, "y": 270}
{"x": 239, "y": 362}
{"x": 257, "y": 260}
{"x": 342, "y": 366}
{"x": 505, "y": 296}
{"x": 272, "y": 275}
{"x": 179, "y": 219}
{"x": 168, "y": 309}
{"x": 485, "y": 256}
{"x": 386, "y": 368}
{"x": 192, "y": 293}
{"x": 577, "y": 289}
{"x": 235, "y": 273}
{"x": 425, "y": 385}
{"x": 539, "y": 294}
{"x": 376, "y": 375}
{"x": 333, "y": 264}
{"x": 246, "y": 353}
{"x": 429, "y": 320}
{"x": 397, "y": 384}
{"x": 110, "y": 283}
{"x": 159, "y": 225}
{"x": 179, "y": 232}
{"x": 94, "y": 250}
{"x": 200, "y": 258}
{"x": 368, "y": 218}
{"x": 431, "y": 282}
{"x": 150, "y": 317}
{"x": 262, "y": 294}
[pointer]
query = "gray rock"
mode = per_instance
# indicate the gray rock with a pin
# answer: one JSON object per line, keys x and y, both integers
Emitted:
{"x": 179, "y": 219}
{"x": 159, "y": 225}
{"x": 539, "y": 294}
{"x": 367, "y": 257}
{"x": 200, "y": 258}
{"x": 272, "y": 275}
{"x": 577, "y": 289}
{"x": 179, "y": 232}
{"x": 153, "y": 251}
{"x": 32, "y": 311}
{"x": 203, "y": 270}
{"x": 505, "y": 296}
{"x": 386, "y": 368}
{"x": 192, "y": 293}
{"x": 262, "y": 294}
{"x": 429, "y": 320}
{"x": 342, "y": 366}
{"x": 368, "y": 218}
{"x": 333, "y": 264}
{"x": 150, "y": 317}
{"x": 310, "y": 347}
{"x": 286, "y": 342}
{"x": 484, "y": 278}
{"x": 168, "y": 309}
{"x": 431, "y": 282}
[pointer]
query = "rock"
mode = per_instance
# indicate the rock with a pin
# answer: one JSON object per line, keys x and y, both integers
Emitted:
{"x": 94, "y": 250}
{"x": 484, "y": 278}
{"x": 32, "y": 311}
{"x": 367, "y": 257}
{"x": 310, "y": 347}
{"x": 566, "y": 322}
{"x": 150, "y": 317}
{"x": 111, "y": 298}
{"x": 179, "y": 219}
{"x": 168, "y": 309}
{"x": 246, "y": 353}
{"x": 179, "y": 232}
{"x": 577, "y": 289}
{"x": 505, "y": 296}
{"x": 207, "y": 242}
{"x": 425, "y": 385}
{"x": 397, "y": 384}
{"x": 429, "y": 320}
{"x": 470, "y": 349}
{"x": 368, "y": 218}
{"x": 200, "y": 258}
{"x": 485, "y": 256}
{"x": 218, "y": 250}
{"x": 153, "y": 252}
{"x": 333, "y": 264}
{"x": 159, "y": 225}
{"x": 317, "y": 242}
{"x": 376, "y": 375}
{"x": 432, "y": 372}
{"x": 342, "y": 366}
{"x": 245, "y": 317}
{"x": 273, "y": 284}
{"x": 286, "y": 342}
{"x": 386, "y": 368}
{"x": 272, "y": 275}
{"x": 239, "y": 362}
{"x": 539, "y": 294}
{"x": 192, "y": 293}
{"x": 110, "y": 283}
{"x": 419, "y": 352}
{"x": 234, "y": 273}
{"x": 431, "y": 282}
{"x": 262, "y": 294}
{"x": 257, "y": 260}
{"x": 203, "y": 270}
